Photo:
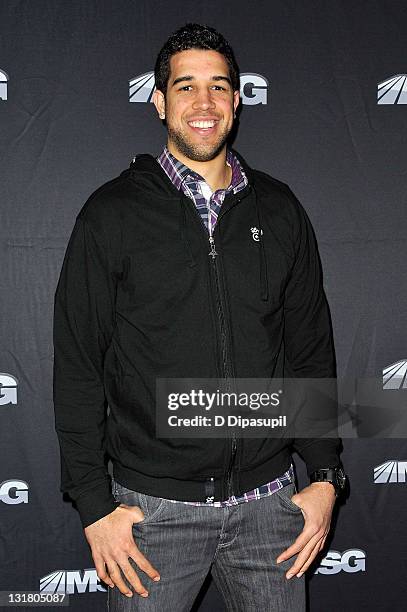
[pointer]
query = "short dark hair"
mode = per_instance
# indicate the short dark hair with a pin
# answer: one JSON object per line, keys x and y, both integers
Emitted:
{"x": 193, "y": 36}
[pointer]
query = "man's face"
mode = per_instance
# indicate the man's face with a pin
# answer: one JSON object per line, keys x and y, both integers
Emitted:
{"x": 199, "y": 104}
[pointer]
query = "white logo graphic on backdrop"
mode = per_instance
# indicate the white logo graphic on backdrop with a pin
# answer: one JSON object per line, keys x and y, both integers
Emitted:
{"x": 142, "y": 87}
{"x": 3, "y": 85}
{"x": 253, "y": 88}
{"x": 14, "y": 492}
{"x": 394, "y": 375}
{"x": 350, "y": 561}
{"x": 256, "y": 233}
{"x": 71, "y": 581}
{"x": 390, "y": 471}
{"x": 8, "y": 389}
{"x": 393, "y": 90}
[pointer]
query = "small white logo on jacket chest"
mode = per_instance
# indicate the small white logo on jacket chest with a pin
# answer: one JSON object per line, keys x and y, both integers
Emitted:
{"x": 256, "y": 233}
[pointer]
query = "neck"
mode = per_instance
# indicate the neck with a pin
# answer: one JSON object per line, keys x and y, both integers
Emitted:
{"x": 216, "y": 172}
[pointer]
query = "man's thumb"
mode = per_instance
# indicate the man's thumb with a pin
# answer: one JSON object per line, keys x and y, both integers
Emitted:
{"x": 137, "y": 513}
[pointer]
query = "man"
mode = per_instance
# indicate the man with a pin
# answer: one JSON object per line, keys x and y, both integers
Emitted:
{"x": 189, "y": 265}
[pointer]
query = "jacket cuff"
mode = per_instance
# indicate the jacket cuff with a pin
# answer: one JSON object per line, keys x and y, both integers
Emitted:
{"x": 318, "y": 454}
{"x": 94, "y": 505}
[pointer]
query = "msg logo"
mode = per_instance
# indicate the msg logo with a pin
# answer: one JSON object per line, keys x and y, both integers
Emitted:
{"x": 14, "y": 492}
{"x": 253, "y": 88}
{"x": 350, "y": 561}
{"x": 71, "y": 581}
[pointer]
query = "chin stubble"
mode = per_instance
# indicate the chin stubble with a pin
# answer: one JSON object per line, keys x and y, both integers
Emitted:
{"x": 194, "y": 152}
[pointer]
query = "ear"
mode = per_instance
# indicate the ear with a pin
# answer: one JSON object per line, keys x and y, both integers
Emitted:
{"x": 159, "y": 103}
{"x": 236, "y": 100}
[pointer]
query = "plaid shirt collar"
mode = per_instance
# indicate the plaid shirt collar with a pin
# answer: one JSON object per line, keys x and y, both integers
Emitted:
{"x": 182, "y": 176}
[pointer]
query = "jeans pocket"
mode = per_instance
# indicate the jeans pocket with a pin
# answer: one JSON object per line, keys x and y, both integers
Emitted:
{"x": 285, "y": 494}
{"x": 151, "y": 506}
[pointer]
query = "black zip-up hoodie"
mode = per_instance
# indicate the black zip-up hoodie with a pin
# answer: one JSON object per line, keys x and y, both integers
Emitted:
{"x": 140, "y": 298}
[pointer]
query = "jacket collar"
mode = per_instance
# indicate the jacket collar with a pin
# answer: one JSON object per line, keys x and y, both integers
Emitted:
{"x": 180, "y": 174}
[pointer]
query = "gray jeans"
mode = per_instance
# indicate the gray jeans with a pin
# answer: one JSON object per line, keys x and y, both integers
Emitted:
{"x": 238, "y": 544}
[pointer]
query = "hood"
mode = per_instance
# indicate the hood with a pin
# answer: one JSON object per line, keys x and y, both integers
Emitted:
{"x": 146, "y": 166}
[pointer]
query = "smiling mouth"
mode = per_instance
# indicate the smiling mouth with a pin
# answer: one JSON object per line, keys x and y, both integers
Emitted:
{"x": 203, "y": 125}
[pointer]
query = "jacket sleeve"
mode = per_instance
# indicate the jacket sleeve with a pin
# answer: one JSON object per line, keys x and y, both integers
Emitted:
{"x": 308, "y": 335}
{"x": 83, "y": 324}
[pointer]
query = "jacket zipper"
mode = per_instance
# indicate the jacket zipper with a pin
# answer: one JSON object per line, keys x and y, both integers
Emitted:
{"x": 221, "y": 317}
{"x": 213, "y": 254}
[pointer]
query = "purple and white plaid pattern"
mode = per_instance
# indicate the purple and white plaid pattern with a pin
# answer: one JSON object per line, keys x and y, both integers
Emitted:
{"x": 195, "y": 187}
{"x": 257, "y": 493}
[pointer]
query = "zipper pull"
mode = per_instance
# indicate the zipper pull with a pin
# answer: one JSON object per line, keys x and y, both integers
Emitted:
{"x": 210, "y": 489}
{"x": 212, "y": 252}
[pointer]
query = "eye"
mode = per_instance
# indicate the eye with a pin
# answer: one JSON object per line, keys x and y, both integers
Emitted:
{"x": 219, "y": 87}
{"x": 185, "y": 88}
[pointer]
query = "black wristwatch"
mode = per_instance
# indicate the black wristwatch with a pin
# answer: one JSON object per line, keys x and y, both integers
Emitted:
{"x": 336, "y": 476}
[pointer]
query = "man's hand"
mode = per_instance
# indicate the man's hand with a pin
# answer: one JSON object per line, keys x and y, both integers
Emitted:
{"x": 316, "y": 502}
{"x": 112, "y": 543}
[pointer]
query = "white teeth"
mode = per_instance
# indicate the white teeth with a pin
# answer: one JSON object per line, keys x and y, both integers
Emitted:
{"x": 202, "y": 124}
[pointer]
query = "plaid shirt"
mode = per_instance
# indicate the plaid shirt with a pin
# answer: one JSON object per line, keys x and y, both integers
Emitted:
{"x": 208, "y": 204}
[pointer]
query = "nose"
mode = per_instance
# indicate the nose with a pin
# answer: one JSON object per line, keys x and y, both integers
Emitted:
{"x": 203, "y": 99}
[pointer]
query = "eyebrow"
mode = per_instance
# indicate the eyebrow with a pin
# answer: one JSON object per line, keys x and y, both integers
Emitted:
{"x": 188, "y": 77}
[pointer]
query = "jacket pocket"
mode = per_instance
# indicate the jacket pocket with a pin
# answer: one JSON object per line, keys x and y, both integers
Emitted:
{"x": 256, "y": 451}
